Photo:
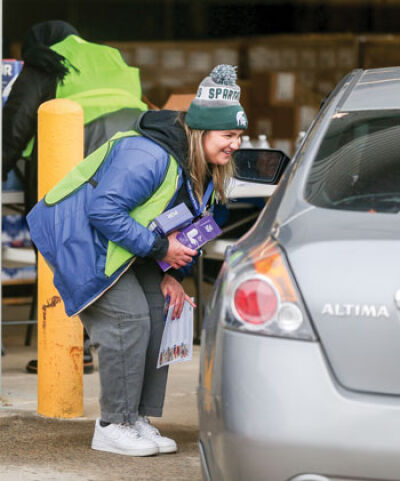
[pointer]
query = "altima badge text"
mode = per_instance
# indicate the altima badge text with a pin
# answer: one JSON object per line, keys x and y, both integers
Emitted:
{"x": 362, "y": 310}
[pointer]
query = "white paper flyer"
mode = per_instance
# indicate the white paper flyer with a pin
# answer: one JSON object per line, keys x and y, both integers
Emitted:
{"x": 177, "y": 340}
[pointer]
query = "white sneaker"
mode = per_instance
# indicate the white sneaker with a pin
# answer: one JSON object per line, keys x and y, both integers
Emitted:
{"x": 122, "y": 439}
{"x": 145, "y": 429}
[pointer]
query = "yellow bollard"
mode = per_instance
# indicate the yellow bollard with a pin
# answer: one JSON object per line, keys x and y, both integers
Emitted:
{"x": 60, "y": 338}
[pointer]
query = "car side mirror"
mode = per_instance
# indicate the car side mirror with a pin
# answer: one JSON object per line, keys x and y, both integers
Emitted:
{"x": 265, "y": 166}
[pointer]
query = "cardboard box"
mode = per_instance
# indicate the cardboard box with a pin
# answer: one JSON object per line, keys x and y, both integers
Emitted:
{"x": 307, "y": 96}
{"x": 260, "y": 90}
{"x": 305, "y": 116}
{"x": 168, "y": 67}
{"x": 171, "y": 220}
{"x": 308, "y": 58}
{"x": 227, "y": 54}
{"x": 245, "y": 96}
{"x": 263, "y": 58}
{"x": 179, "y": 102}
{"x": 300, "y": 51}
{"x": 10, "y": 69}
{"x": 325, "y": 87}
{"x": 285, "y": 145}
{"x": 379, "y": 51}
{"x": 196, "y": 235}
{"x": 273, "y": 88}
{"x": 284, "y": 122}
{"x": 289, "y": 58}
{"x": 143, "y": 56}
{"x": 346, "y": 58}
{"x": 283, "y": 88}
{"x": 196, "y": 56}
{"x": 261, "y": 126}
{"x": 173, "y": 58}
{"x": 327, "y": 58}
{"x": 200, "y": 61}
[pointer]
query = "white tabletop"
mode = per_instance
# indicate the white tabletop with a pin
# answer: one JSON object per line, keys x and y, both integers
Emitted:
{"x": 12, "y": 197}
{"x": 238, "y": 189}
{"x": 18, "y": 256}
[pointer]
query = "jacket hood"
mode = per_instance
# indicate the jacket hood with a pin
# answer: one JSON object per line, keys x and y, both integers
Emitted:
{"x": 36, "y": 51}
{"x": 47, "y": 33}
{"x": 163, "y": 127}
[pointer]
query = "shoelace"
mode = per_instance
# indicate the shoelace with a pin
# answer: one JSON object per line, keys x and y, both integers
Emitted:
{"x": 131, "y": 430}
{"x": 147, "y": 427}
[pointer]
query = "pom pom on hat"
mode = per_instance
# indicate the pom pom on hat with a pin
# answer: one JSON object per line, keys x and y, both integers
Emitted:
{"x": 224, "y": 74}
{"x": 216, "y": 105}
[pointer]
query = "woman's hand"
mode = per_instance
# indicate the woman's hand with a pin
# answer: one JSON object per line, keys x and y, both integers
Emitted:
{"x": 178, "y": 255}
{"x": 172, "y": 288}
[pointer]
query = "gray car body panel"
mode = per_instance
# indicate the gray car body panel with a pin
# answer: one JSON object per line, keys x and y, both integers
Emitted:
{"x": 346, "y": 265}
{"x": 272, "y": 409}
{"x": 375, "y": 90}
{"x": 277, "y": 412}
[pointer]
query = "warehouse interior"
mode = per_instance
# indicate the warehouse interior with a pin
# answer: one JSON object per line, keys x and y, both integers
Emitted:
{"x": 290, "y": 55}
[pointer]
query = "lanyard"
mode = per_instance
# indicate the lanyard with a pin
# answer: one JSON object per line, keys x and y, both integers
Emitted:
{"x": 206, "y": 197}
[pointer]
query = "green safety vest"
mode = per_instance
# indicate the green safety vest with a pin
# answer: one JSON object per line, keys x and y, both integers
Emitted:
{"x": 98, "y": 80}
{"x": 117, "y": 256}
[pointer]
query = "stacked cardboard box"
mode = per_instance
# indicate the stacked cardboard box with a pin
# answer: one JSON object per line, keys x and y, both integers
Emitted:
{"x": 283, "y": 78}
{"x": 319, "y": 60}
{"x": 290, "y": 76}
{"x": 280, "y": 107}
{"x": 271, "y": 97}
{"x": 379, "y": 51}
{"x": 176, "y": 67}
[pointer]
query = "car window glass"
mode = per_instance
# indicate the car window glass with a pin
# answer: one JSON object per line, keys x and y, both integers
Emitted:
{"x": 357, "y": 166}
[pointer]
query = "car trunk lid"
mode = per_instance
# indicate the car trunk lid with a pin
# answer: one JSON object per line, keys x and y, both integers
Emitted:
{"x": 347, "y": 266}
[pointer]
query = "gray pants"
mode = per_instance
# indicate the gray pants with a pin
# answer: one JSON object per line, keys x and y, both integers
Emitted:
{"x": 126, "y": 325}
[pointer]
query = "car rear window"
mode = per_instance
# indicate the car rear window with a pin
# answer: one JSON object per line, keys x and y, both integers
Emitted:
{"x": 358, "y": 163}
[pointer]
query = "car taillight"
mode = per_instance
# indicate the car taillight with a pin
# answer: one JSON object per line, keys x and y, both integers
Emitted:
{"x": 255, "y": 301}
{"x": 263, "y": 296}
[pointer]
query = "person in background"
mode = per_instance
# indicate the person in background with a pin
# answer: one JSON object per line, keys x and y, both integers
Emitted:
{"x": 168, "y": 159}
{"x": 58, "y": 63}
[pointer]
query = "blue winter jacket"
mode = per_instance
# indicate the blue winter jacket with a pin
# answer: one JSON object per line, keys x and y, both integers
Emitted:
{"x": 73, "y": 235}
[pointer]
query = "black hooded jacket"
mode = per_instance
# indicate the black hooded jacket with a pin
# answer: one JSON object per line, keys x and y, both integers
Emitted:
{"x": 165, "y": 128}
{"x": 37, "y": 83}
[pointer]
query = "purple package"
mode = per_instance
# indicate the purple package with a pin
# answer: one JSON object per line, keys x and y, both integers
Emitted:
{"x": 172, "y": 219}
{"x": 196, "y": 235}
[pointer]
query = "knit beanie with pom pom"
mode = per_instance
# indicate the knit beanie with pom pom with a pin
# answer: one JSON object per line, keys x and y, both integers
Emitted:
{"x": 216, "y": 105}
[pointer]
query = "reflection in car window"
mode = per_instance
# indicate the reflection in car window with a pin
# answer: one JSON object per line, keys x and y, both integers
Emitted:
{"x": 358, "y": 164}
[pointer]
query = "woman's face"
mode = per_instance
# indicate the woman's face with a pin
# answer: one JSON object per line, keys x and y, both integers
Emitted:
{"x": 219, "y": 145}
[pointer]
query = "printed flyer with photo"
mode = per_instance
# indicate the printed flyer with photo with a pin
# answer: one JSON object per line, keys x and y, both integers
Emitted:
{"x": 177, "y": 340}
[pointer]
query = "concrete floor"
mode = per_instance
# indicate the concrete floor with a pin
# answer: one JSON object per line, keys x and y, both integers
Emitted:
{"x": 33, "y": 448}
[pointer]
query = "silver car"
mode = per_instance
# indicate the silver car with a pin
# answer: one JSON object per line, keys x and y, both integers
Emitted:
{"x": 300, "y": 356}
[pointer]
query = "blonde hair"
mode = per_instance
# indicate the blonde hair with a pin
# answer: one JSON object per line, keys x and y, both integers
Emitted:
{"x": 199, "y": 168}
